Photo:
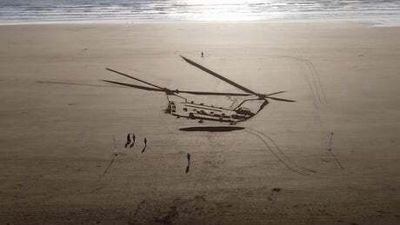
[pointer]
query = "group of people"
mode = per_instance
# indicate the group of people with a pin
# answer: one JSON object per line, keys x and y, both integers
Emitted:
{"x": 131, "y": 140}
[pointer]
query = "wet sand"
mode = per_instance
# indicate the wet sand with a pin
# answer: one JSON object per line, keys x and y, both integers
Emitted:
{"x": 330, "y": 158}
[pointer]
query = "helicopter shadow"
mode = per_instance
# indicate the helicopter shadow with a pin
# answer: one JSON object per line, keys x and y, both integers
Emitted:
{"x": 211, "y": 128}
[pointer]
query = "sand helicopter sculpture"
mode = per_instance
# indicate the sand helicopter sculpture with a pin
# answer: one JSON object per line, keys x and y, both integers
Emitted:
{"x": 181, "y": 107}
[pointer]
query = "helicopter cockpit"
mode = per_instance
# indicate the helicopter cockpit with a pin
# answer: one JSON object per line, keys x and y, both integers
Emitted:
{"x": 244, "y": 111}
{"x": 250, "y": 107}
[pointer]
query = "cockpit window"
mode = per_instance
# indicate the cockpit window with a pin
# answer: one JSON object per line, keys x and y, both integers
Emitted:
{"x": 244, "y": 110}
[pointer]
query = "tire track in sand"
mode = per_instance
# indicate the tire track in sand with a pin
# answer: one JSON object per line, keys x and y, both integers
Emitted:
{"x": 271, "y": 146}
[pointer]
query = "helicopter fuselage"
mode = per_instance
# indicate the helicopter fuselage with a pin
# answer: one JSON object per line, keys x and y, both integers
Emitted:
{"x": 201, "y": 112}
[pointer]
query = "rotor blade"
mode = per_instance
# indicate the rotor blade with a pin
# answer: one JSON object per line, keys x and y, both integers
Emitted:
{"x": 134, "y": 86}
{"x": 274, "y": 93}
{"x": 211, "y": 93}
{"x": 72, "y": 83}
{"x": 280, "y": 99}
{"x": 129, "y": 76}
{"x": 175, "y": 91}
{"x": 219, "y": 76}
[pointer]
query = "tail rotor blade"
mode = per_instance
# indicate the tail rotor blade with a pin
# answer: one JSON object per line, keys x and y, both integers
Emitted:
{"x": 280, "y": 99}
{"x": 274, "y": 93}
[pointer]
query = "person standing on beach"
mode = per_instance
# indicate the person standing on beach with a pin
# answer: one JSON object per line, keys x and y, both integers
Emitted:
{"x": 133, "y": 140}
{"x": 145, "y": 145}
{"x": 202, "y": 54}
{"x": 188, "y": 163}
{"x": 128, "y": 140}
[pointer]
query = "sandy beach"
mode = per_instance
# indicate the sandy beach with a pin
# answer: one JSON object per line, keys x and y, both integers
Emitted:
{"x": 332, "y": 157}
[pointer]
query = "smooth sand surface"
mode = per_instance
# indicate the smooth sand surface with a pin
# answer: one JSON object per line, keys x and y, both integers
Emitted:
{"x": 330, "y": 158}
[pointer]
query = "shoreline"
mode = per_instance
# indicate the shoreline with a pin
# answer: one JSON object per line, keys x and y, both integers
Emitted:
{"x": 361, "y": 22}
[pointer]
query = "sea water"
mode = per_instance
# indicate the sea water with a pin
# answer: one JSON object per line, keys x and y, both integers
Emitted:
{"x": 386, "y": 12}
